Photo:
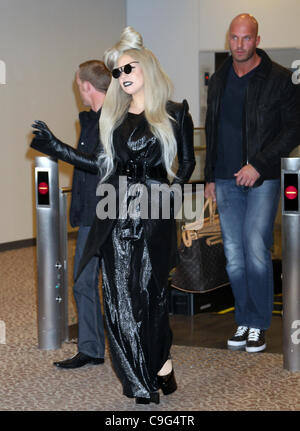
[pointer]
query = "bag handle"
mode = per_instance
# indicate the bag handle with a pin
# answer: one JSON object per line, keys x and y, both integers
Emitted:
{"x": 196, "y": 225}
{"x": 186, "y": 238}
{"x": 212, "y": 207}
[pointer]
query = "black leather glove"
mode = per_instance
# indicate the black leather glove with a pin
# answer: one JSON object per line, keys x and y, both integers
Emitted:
{"x": 46, "y": 142}
{"x": 42, "y": 131}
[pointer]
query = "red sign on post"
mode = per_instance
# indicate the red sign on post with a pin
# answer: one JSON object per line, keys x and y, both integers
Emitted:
{"x": 291, "y": 192}
{"x": 43, "y": 188}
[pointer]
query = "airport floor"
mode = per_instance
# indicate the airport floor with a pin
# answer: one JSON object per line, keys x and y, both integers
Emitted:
{"x": 209, "y": 377}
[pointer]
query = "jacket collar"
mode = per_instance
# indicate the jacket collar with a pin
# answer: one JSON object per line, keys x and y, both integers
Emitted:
{"x": 88, "y": 116}
{"x": 262, "y": 71}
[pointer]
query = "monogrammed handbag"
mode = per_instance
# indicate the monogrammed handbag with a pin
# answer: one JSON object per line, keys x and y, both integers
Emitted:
{"x": 202, "y": 262}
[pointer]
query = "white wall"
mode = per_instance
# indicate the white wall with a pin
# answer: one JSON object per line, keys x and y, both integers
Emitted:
{"x": 278, "y": 21}
{"x": 42, "y": 42}
{"x": 170, "y": 28}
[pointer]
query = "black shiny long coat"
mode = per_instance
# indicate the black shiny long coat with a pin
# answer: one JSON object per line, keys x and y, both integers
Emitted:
{"x": 160, "y": 234}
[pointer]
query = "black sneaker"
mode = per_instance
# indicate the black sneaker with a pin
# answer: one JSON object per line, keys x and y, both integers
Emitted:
{"x": 256, "y": 340}
{"x": 239, "y": 339}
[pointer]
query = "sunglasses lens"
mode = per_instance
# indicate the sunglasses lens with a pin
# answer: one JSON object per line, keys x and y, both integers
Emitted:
{"x": 116, "y": 73}
{"x": 127, "y": 68}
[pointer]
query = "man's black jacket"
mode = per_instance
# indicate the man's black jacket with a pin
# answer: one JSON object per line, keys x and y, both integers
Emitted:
{"x": 84, "y": 199}
{"x": 271, "y": 119}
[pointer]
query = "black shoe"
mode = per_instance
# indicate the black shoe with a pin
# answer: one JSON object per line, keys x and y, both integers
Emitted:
{"x": 239, "y": 339}
{"x": 167, "y": 383}
{"x": 154, "y": 398}
{"x": 78, "y": 361}
{"x": 255, "y": 341}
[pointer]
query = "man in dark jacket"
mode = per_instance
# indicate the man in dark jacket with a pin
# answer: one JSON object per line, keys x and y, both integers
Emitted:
{"x": 253, "y": 119}
{"x": 93, "y": 79}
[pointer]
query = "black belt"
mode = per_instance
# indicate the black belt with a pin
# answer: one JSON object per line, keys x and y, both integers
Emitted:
{"x": 141, "y": 170}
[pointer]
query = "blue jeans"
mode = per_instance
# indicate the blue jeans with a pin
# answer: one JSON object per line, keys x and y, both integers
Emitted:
{"x": 247, "y": 218}
{"x": 91, "y": 339}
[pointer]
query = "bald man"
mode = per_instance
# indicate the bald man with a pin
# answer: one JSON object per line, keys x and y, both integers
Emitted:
{"x": 253, "y": 119}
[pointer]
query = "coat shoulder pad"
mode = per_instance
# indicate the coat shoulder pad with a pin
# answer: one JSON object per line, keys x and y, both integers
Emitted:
{"x": 176, "y": 109}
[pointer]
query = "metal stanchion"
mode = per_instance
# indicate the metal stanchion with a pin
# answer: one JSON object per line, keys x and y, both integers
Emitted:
{"x": 290, "y": 182}
{"x": 63, "y": 250}
{"x": 51, "y": 260}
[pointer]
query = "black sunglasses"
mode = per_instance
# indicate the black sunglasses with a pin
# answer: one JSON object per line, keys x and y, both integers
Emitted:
{"x": 127, "y": 68}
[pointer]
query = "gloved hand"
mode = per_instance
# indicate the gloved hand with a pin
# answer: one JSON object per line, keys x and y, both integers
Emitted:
{"x": 47, "y": 143}
{"x": 44, "y": 140}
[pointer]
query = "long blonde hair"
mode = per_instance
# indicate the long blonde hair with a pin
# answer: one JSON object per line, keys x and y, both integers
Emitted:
{"x": 157, "y": 88}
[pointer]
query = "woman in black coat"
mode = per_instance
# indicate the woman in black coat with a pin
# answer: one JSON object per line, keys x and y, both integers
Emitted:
{"x": 142, "y": 132}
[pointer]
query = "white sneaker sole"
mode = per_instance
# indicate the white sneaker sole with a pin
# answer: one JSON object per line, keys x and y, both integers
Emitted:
{"x": 255, "y": 349}
{"x": 236, "y": 343}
